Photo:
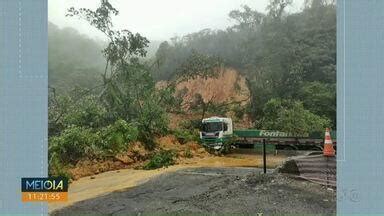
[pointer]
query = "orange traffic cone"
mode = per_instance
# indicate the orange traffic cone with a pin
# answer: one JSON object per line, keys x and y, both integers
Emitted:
{"x": 328, "y": 150}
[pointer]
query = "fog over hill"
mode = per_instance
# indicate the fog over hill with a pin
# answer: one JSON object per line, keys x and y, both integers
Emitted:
{"x": 159, "y": 20}
{"x": 76, "y": 59}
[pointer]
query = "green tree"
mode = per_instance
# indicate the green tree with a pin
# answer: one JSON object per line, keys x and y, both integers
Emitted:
{"x": 128, "y": 89}
{"x": 319, "y": 98}
{"x": 291, "y": 116}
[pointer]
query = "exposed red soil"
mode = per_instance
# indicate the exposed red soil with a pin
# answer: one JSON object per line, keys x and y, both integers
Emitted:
{"x": 228, "y": 86}
{"x": 136, "y": 156}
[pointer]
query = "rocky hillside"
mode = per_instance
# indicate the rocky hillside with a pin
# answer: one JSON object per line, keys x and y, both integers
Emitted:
{"x": 229, "y": 86}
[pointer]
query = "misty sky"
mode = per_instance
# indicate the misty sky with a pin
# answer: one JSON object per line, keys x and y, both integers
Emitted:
{"x": 158, "y": 19}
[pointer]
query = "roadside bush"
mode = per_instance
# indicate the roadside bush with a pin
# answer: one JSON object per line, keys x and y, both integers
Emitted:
{"x": 152, "y": 121}
{"x": 73, "y": 144}
{"x": 291, "y": 116}
{"x": 188, "y": 131}
{"x": 76, "y": 143}
{"x": 117, "y": 136}
{"x": 160, "y": 159}
{"x": 57, "y": 168}
{"x": 75, "y": 108}
{"x": 188, "y": 153}
{"x": 185, "y": 135}
{"x": 319, "y": 98}
{"x": 87, "y": 112}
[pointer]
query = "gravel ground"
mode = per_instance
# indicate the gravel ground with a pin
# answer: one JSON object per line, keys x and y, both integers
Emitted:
{"x": 213, "y": 191}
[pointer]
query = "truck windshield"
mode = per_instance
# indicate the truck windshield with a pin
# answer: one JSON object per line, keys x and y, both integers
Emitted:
{"x": 212, "y": 126}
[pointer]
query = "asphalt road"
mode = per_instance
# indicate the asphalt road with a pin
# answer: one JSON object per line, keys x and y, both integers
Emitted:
{"x": 212, "y": 191}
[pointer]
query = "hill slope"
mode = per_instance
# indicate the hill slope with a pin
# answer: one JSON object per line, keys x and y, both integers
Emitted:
{"x": 229, "y": 86}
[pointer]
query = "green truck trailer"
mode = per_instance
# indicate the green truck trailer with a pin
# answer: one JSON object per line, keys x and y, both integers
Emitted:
{"x": 218, "y": 133}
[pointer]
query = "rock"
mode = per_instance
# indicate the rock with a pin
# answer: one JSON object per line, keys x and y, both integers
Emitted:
{"x": 92, "y": 177}
{"x": 290, "y": 167}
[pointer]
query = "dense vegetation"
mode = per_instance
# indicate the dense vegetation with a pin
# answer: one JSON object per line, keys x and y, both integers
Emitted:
{"x": 121, "y": 108}
{"x": 103, "y": 95}
{"x": 285, "y": 57}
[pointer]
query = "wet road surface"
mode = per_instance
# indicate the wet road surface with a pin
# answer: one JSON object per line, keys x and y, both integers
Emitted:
{"x": 212, "y": 191}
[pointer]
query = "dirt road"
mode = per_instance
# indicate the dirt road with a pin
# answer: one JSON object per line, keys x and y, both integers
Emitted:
{"x": 214, "y": 191}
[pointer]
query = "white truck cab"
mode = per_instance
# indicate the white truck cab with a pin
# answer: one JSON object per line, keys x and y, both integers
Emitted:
{"x": 215, "y": 131}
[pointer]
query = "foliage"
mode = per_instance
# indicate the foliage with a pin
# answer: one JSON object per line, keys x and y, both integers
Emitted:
{"x": 188, "y": 131}
{"x": 239, "y": 111}
{"x": 198, "y": 104}
{"x": 152, "y": 121}
{"x": 198, "y": 65}
{"x": 107, "y": 115}
{"x": 123, "y": 47}
{"x": 320, "y": 98}
{"x": 162, "y": 158}
{"x": 280, "y": 54}
{"x": 117, "y": 136}
{"x": 88, "y": 113}
{"x": 128, "y": 90}
{"x": 292, "y": 117}
{"x": 57, "y": 168}
{"x": 247, "y": 18}
{"x": 77, "y": 142}
{"x": 171, "y": 99}
{"x": 188, "y": 153}
{"x": 191, "y": 124}
{"x": 76, "y": 108}
{"x": 186, "y": 135}
{"x": 73, "y": 144}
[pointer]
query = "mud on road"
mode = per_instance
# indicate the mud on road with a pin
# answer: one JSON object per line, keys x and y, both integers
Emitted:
{"x": 212, "y": 191}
